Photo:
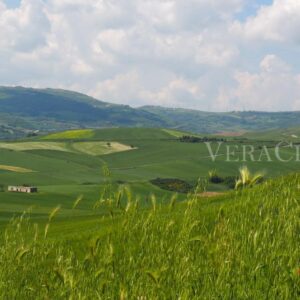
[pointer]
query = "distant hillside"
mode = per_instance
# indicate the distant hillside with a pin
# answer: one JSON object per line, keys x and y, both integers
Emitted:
{"x": 49, "y": 110}
{"x": 210, "y": 122}
{"x": 291, "y": 134}
{"x": 23, "y": 111}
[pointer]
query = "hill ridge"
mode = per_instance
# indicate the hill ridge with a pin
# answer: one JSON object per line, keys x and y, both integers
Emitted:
{"x": 26, "y": 110}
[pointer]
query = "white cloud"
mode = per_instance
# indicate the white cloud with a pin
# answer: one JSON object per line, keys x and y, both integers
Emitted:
{"x": 275, "y": 87}
{"x": 173, "y": 92}
{"x": 173, "y": 52}
{"x": 273, "y": 64}
{"x": 25, "y": 28}
{"x": 278, "y": 22}
{"x": 126, "y": 86}
{"x": 176, "y": 93}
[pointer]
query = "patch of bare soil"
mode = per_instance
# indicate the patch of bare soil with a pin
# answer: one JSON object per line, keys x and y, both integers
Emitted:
{"x": 211, "y": 194}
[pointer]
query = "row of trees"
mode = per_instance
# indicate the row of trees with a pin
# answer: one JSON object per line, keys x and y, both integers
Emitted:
{"x": 195, "y": 139}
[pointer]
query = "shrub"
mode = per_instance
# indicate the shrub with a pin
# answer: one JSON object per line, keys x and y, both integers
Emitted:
{"x": 173, "y": 185}
{"x": 195, "y": 139}
{"x": 214, "y": 177}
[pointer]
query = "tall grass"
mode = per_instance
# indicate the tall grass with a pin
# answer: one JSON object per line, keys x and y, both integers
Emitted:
{"x": 245, "y": 246}
{"x": 247, "y": 179}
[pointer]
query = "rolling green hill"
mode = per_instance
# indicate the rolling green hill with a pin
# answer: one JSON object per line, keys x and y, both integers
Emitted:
{"x": 67, "y": 164}
{"x": 50, "y": 109}
{"x": 209, "y": 122}
{"x": 282, "y": 134}
{"x": 23, "y": 111}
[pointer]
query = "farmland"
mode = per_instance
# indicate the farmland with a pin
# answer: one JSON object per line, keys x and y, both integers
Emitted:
{"x": 90, "y": 148}
{"x": 111, "y": 193}
{"x": 69, "y": 164}
{"x": 14, "y": 169}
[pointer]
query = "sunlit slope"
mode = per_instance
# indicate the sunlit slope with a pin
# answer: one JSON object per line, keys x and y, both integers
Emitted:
{"x": 49, "y": 167}
{"x": 24, "y": 146}
{"x": 90, "y": 148}
{"x": 115, "y": 134}
{"x": 14, "y": 169}
{"x": 71, "y": 134}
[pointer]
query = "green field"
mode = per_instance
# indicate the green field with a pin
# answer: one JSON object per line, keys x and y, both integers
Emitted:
{"x": 286, "y": 134}
{"x": 90, "y": 148}
{"x": 71, "y": 134}
{"x": 69, "y": 164}
{"x": 112, "y": 234}
{"x": 244, "y": 245}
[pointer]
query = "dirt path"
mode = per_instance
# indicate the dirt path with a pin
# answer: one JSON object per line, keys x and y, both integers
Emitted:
{"x": 211, "y": 194}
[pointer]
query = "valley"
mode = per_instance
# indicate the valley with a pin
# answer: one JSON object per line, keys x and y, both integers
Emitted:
{"x": 69, "y": 164}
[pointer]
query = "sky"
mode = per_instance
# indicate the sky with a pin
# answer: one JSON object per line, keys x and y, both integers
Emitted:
{"x": 12, "y": 3}
{"x": 211, "y": 55}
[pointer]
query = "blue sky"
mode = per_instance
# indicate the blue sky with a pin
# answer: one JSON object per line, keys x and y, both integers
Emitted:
{"x": 202, "y": 54}
{"x": 251, "y": 7}
{"x": 12, "y": 3}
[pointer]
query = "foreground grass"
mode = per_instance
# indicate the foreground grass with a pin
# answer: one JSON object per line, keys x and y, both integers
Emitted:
{"x": 242, "y": 247}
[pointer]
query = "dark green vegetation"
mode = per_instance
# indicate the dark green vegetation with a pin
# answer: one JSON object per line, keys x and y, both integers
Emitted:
{"x": 241, "y": 246}
{"x": 196, "y": 139}
{"x": 23, "y": 111}
{"x": 215, "y": 178}
{"x": 173, "y": 184}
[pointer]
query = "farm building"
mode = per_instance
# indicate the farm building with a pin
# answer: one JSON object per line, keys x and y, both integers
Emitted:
{"x": 22, "y": 189}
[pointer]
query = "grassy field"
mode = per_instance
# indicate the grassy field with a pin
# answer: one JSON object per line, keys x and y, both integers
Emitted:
{"x": 100, "y": 148}
{"x": 98, "y": 228}
{"x": 90, "y": 148}
{"x": 69, "y": 164}
{"x": 15, "y": 169}
{"x": 244, "y": 245}
{"x": 286, "y": 134}
{"x": 71, "y": 134}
